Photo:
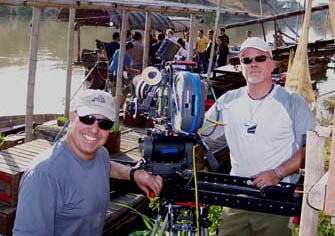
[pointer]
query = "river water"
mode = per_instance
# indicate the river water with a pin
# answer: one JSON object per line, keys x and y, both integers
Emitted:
{"x": 51, "y": 65}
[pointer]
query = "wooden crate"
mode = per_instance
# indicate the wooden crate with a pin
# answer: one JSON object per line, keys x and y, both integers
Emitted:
{"x": 12, "y": 140}
{"x": 13, "y": 162}
{"x": 7, "y": 217}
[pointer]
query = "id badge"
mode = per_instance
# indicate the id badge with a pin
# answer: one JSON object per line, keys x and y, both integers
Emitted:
{"x": 249, "y": 127}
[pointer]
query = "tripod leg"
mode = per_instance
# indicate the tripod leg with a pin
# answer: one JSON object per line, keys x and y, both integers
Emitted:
{"x": 165, "y": 223}
{"x": 205, "y": 232}
{"x": 156, "y": 225}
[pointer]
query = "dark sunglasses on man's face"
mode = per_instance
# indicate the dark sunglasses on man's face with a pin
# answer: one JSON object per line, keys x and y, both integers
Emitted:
{"x": 102, "y": 123}
{"x": 248, "y": 60}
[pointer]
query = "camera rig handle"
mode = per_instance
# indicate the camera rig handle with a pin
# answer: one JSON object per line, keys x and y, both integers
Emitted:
{"x": 225, "y": 190}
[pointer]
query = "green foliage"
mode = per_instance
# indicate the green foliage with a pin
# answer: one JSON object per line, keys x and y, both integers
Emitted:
{"x": 62, "y": 119}
{"x": 148, "y": 222}
{"x": 214, "y": 215}
{"x": 115, "y": 129}
{"x": 325, "y": 228}
{"x": 2, "y": 139}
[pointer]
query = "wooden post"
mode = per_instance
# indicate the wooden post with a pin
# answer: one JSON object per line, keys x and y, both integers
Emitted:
{"x": 78, "y": 43}
{"x": 330, "y": 189}
{"x": 69, "y": 60}
{"x": 193, "y": 31}
{"x": 119, "y": 81}
{"x": 263, "y": 30}
{"x": 32, "y": 73}
{"x": 314, "y": 166}
{"x": 214, "y": 40}
{"x": 146, "y": 39}
{"x": 276, "y": 34}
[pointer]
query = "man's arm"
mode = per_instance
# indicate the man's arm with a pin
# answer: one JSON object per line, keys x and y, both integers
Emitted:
{"x": 270, "y": 177}
{"x": 145, "y": 181}
{"x": 135, "y": 71}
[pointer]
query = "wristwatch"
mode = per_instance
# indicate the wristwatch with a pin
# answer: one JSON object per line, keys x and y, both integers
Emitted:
{"x": 132, "y": 173}
{"x": 279, "y": 173}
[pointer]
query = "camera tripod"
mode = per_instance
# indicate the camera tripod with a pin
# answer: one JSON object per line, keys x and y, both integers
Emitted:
{"x": 180, "y": 219}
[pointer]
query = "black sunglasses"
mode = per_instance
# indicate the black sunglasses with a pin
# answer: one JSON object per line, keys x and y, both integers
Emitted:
{"x": 102, "y": 123}
{"x": 248, "y": 60}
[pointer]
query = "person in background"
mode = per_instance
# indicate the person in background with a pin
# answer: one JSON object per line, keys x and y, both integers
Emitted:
{"x": 202, "y": 42}
{"x": 170, "y": 35}
{"x": 154, "y": 48}
{"x": 209, "y": 48}
{"x": 111, "y": 47}
{"x": 66, "y": 190}
{"x": 248, "y": 34}
{"x": 137, "y": 53}
{"x": 223, "y": 34}
{"x": 187, "y": 42}
{"x": 126, "y": 67}
{"x": 152, "y": 40}
{"x": 182, "y": 53}
{"x": 265, "y": 131}
{"x": 222, "y": 54}
{"x": 129, "y": 35}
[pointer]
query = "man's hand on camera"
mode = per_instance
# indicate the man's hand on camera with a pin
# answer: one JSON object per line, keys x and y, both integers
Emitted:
{"x": 147, "y": 182}
{"x": 265, "y": 178}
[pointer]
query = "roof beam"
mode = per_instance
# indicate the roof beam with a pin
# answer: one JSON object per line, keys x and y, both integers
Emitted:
{"x": 276, "y": 17}
{"x": 130, "y": 5}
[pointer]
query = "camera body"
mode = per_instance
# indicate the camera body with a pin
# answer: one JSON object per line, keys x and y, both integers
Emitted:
{"x": 175, "y": 99}
{"x": 178, "y": 100}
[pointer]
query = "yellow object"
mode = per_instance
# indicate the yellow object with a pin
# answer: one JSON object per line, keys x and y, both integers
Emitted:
{"x": 298, "y": 79}
{"x": 202, "y": 44}
{"x": 215, "y": 123}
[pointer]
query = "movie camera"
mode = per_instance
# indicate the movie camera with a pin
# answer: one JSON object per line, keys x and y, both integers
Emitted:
{"x": 175, "y": 99}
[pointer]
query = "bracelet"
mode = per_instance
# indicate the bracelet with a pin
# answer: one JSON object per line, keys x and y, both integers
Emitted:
{"x": 278, "y": 173}
{"x": 132, "y": 173}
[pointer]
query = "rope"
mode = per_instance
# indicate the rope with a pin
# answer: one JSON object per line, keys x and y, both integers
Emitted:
{"x": 82, "y": 83}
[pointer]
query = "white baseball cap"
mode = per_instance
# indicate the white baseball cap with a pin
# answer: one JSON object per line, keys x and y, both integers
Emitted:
{"x": 255, "y": 42}
{"x": 98, "y": 102}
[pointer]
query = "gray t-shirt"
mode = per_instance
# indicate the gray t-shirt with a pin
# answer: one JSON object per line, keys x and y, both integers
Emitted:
{"x": 261, "y": 134}
{"x": 62, "y": 194}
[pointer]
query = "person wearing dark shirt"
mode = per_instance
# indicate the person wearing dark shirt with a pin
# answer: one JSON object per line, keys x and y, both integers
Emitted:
{"x": 154, "y": 48}
{"x": 209, "y": 47}
{"x": 223, "y": 34}
{"x": 111, "y": 47}
{"x": 222, "y": 52}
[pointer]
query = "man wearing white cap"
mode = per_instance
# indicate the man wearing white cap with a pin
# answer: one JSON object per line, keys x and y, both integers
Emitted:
{"x": 66, "y": 190}
{"x": 264, "y": 127}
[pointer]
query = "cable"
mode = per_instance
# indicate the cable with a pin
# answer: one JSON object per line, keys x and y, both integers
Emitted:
{"x": 215, "y": 123}
{"x": 84, "y": 80}
{"x": 196, "y": 192}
